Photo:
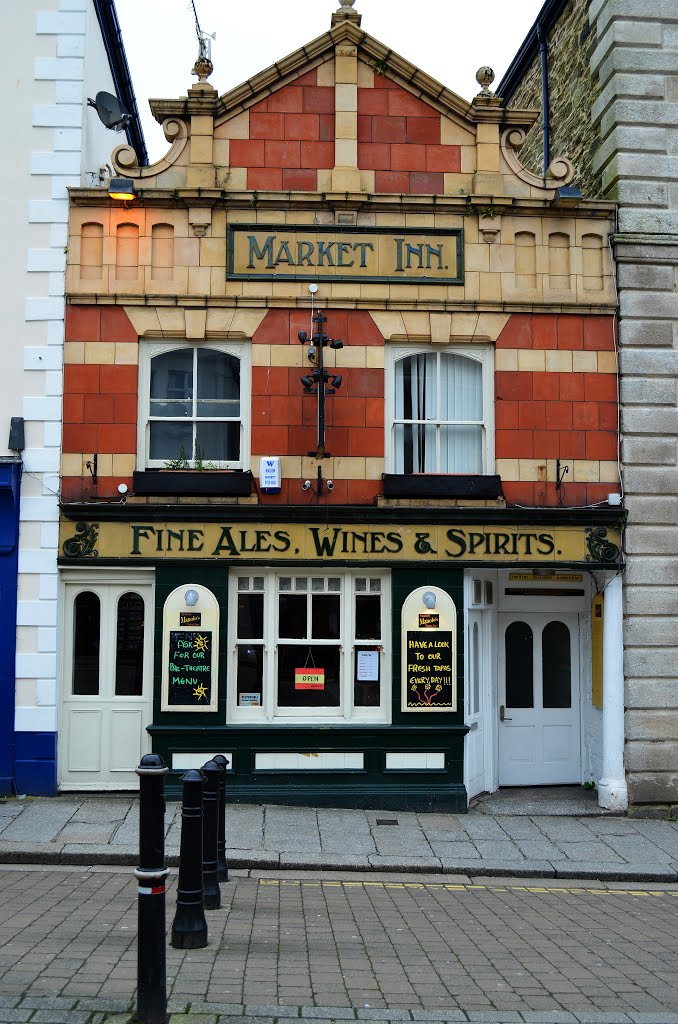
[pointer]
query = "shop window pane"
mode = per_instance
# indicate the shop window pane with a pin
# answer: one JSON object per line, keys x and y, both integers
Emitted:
{"x": 360, "y": 584}
{"x": 519, "y": 672}
{"x": 292, "y": 615}
{"x": 301, "y": 656}
{"x": 325, "y": 616}
{"x": 218, "y": 442}
{"x": 556, "y": 667}
{"x": 129, "y": 653}
{"x": 301, "y": 584}
{"x": 86, "y": 626}
{"x": 250, "y": 674}
{"x": 171, "y": 440}
{"x": 367, "y": 617}
{"x": 251, "y": 616}
{"x": 334, "y": 585}
{"x": 375, "y": 586}
{"x": 366, "y": 689}
{"x": 317, "y": 584}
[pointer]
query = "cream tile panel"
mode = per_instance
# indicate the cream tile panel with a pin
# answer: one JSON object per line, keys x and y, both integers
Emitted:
{"x": 323, "y": 761}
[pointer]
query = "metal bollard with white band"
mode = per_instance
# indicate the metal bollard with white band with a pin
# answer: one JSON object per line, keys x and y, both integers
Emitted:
{"x": 151, "y": 876}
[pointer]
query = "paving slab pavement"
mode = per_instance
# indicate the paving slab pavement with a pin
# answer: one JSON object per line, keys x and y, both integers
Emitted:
{"x": 346, "y": 946}
{"x": 510, "y": 836}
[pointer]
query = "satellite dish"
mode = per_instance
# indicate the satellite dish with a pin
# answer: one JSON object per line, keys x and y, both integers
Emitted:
{"x": 111, "y": 112}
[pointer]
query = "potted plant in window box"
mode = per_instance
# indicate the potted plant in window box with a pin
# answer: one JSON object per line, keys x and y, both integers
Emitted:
{"x": 195, "y": 479}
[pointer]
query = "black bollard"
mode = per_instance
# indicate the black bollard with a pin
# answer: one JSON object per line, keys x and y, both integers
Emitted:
{"x": 189, "y": 928}
{"x": 222, "y": 864}
{"x": 151, "y": 875}
{"x": 210, "y": 819}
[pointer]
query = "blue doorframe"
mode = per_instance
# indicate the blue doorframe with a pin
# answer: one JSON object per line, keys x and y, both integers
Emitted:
{"x": 10, "y": 489}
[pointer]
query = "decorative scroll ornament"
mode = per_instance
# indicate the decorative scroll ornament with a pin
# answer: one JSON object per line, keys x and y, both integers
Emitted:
{"x": 82, "y": 544}
{"x": 125, "y": 160}
{"x": 560, "y": 171}
{"x": 600, "y": 547}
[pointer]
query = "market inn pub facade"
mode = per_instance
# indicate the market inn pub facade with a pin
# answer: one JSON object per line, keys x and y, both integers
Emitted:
{"x": 340, "y": 490}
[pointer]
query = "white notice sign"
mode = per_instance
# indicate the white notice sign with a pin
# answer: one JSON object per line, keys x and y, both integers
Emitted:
{"x": 367, "y": 668}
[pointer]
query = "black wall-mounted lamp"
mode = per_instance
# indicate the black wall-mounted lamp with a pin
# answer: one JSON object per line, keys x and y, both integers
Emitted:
{"x": 320, "y": 382}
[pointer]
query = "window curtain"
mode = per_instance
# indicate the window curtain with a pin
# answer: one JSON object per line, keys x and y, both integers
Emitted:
{"x": 438, "y": 414}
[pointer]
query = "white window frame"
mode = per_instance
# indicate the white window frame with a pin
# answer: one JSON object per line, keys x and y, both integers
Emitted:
{"x": 483, "y": 354}
{"x": 241, "y": 350}
{"x": 346, "y": 713}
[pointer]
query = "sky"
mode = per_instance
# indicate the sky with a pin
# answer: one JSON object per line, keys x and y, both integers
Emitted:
{"x": 448, "y": 39}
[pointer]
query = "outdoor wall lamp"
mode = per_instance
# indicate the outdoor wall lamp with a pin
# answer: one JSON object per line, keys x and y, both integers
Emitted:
{"x": 123, "y": 189}
{"x": 191, "y": 597}
{"x": 320, "y": 382}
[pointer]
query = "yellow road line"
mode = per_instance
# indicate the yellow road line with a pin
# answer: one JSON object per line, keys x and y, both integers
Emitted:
{"x": 471, "y": 887}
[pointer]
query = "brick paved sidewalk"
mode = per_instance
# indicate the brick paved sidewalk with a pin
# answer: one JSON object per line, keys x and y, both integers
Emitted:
{"x": 352, "y": 948}
{"x": 72, "y": 829}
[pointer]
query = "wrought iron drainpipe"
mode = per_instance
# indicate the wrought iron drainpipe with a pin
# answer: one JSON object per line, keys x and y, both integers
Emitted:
{"x": 546, "y": 124}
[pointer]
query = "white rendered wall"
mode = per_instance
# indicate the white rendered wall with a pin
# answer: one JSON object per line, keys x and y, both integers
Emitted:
{"x": 53, "y": 141}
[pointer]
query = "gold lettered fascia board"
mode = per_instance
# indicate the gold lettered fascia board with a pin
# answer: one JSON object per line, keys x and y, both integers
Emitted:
{"x": 346, "y": 543}
{"x": 310, "y": 252}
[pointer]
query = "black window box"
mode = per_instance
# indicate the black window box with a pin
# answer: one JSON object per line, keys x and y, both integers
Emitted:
{"x": 193, "y": 483}
{"x": 439, "y": 485}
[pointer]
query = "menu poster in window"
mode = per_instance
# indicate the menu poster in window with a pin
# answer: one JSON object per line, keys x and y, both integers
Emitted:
{"x": 429, "y": 668}
{"x": 190, "y": 668}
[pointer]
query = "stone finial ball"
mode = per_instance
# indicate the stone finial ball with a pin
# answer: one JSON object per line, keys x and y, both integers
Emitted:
{"x": 485, "y": 76}
{"x": 346, "y": 3}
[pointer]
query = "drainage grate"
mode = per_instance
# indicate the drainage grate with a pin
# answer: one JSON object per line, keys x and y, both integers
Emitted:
{"x": 387, "y": 821}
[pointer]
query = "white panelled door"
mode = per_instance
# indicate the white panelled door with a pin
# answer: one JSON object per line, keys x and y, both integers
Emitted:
{"x": 106, "y": 683}
{"x": 539, "y": 721}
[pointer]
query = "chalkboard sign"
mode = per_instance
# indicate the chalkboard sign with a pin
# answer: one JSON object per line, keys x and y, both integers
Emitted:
{"x": 429, "y": 670}
{"x": 190, "y": 668}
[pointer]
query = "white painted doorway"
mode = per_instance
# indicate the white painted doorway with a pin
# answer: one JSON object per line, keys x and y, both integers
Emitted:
{"x": 107, "y": 680}
{"x": 539, "y": 697}
{"x": 480, "y": 662}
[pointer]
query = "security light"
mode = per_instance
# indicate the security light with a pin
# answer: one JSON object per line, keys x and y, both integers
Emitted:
{"x": 123, "y": 189}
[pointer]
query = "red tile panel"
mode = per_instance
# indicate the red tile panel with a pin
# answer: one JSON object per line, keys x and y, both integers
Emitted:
{"x": 532, "y": 415}
{"x": 546, "y": 386}
{"x": 118, "y": 438}
{"x": 544, "y": 332}
{"x": 517, "y": 333}
{"x": 374, "y": 156}
{"x": 408, "y": 157}
{"x": 116, "y": 325}
{"x": 266, "y": 179}
{"x": 600, "y": 387}
{"x": 270, "y": 380}
{"x": 81, "y": 378}
{"x": 401, "y": 102}
{"x": 570, "y": 330}
{"x": 608, "y": 415}
{"x": 118, "y": 380}
{"x": 364, "y": 383}
{"x": 99, "y": 409}
{"x": 362, "y": 492}
{"x": 343, "y": 412}
{"x": 267, "y": 126}
{"x": 362, "y": 330}
{"x": 125, "y": 408}
{"x": 317, "y": 154}
{"x": 285, "y": 409}
{"x": 74, "y": 408}
{"x": 288, "y": 99}
{"x": 572, "y": 444}
{"x": 601, "y": 444}
{"x": 302, "y": 126}
{"x": 374, "y": 412}
{"x": 310, "y": 78}
{"x": 559, "y": 416}
{"x": 326, "y": 127}
{"x": 514, "y": 385}
{"x": 585, "y": 415}
{"x": 598, "y": 333}
{"x": 364, "y": 128}
{"x": 261, "y": 410}
{"x": 546, "y": 444}
{"x": 572, "y": 387}
{"x": 318, "y": 99}
{"x": 382, "y": 82}
{"x": 513, "y": 444}
{"x": 246, "y": 153}
{"x": 78, "y": 438}
{"x": 389, "y": 129}
{"x": 82, "y": 323}
{"x": 297, "y": 179}
{"x": 282, "y": 154}
{"x": 373, "y": 101}
{"x": 392, "y": 181}
{"x": 423, "y": 129}
{"x": 506, "y": 415}
{"x": 368, "y": 442}
{"x": 269, "y": 439}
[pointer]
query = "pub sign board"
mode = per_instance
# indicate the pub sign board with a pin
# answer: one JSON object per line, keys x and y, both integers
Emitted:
{"x": 429, "y": 651}
{"x": 190, "y": 650}
{"x": 308, "y": 252}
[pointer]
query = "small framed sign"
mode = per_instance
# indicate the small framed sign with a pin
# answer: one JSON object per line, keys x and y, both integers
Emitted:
{"x": 309, "y": 679}
{"x": 190, "y": 650}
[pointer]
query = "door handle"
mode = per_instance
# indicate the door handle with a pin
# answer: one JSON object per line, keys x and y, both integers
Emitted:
{"x": 502, "y": 714}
